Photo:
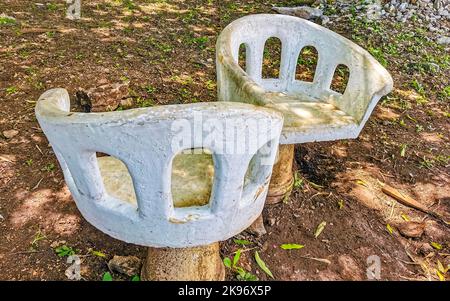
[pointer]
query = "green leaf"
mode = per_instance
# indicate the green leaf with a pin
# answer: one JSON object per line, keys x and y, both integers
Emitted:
{"x": 262, "y": 264}
{"x": 136, "y": 278}
{"x": 320, "y": 229}
{"x": 291, "y": 246}
{"x": 107, "y": 277}
{"x": 98, "y": 253}
{"x": 237, "y": 255}
{"x": 436, "y": 245}
{"x": 227, "y": 262}
{"x": 341, "y": 204}
{"x": 242, "y": 242}
{"x": 64, "y": 251}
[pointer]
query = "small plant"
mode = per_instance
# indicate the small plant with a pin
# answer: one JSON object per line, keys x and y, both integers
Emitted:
{"x": 427, "y": 163}
{"x": 403, "y": 149}
{"x": 107, "y": 277}
{"x": 445, "y": 92}
{"x": 49, "y": 167}
{"x": 37, "y": 237}
{"x": 136, "y": 278}
{"x": 200, "y": 42}
{"x": 378, "y": 55}
{"x": 149, "y": 89}
{"x": 52, "y": 6}
{"x": 298, "y": 180}
{"x": 64, "y": 251}
{"x": 11, "y": 90}
{"x": 416, "y": 85}
{"x": 242, "y": 274}
{"x": 5, "y": 20}
{"x": 29, "y": 162}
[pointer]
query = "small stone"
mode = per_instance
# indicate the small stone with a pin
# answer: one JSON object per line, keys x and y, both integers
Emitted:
{"x": 127, "y": 265}
{"x": 1, "y": 217}
{"x": 425, "y": 249}
{"x": 411, "y": 229}
{"x": 443, "y": 40}
{"x": 403, "y": 6}
{"x": 304, "y": 12}
{"x": 325, "y": 20}
{"x": 57, "y": 243}
{"x": 127, "y": 102}
{"x": 10, "y": 134}
{"x": 257, "y": 228}
{"x": 271, "y": 221}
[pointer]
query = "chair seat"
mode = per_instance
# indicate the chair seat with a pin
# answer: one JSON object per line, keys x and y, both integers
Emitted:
{"x": 192, "y": 178}
{"x": 307, "y": 119}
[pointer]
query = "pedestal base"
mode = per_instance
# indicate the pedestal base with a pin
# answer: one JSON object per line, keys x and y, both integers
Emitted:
{"x": 282, "y": 176}
{"x": 184, "y": 264}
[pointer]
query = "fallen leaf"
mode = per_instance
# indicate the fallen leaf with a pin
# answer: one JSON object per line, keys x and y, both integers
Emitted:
{"x": 320, "y": 229}
{"x": 362, "y": 183}
{"x": 291, "y": 246}
{"x": 98, "y": 253}
{"x": 436, "y": 245}
{"x": 441, "y": 267}
{"x": 441, "y": 277}
{"x": 389, "y": 228}
{"x": 405, "y": 217}
{"x": 242, "y": 242}
{"x": 262, "y": 264}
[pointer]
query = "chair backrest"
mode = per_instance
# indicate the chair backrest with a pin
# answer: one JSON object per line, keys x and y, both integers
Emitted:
{"x": 368, "y": 80}
{"x": 146, "y": 140}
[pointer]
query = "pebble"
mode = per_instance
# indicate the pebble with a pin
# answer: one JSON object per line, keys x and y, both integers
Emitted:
{"x": 10, "y": 134}
{"x": 443, "y": 40}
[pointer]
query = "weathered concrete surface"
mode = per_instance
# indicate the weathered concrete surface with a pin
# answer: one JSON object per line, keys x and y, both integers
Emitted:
{"x": 312, "y": 111}
{"x": 143, "y": 140}
{"x": 184, "y": 264}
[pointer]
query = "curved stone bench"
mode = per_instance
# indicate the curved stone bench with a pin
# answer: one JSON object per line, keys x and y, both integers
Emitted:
{"x": 312, "y": 110}
{"x": 148, "y": 192}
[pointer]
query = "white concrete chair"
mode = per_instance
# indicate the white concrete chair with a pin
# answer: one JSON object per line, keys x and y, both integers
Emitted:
{"x": 147, "y": 191}
{"x": 312, "y": 110}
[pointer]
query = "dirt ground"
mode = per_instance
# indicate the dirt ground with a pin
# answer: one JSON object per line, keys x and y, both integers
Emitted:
{"x": 163, "y": 52}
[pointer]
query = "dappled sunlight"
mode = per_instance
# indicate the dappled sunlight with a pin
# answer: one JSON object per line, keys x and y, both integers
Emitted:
{"x": 386, "y": 114}
{"x": 32, "y": 206}
{"x": 431, "y": 137}
{"x": 364, "y": 185}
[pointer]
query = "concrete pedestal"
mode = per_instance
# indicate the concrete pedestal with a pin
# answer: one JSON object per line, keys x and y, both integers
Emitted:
{"x": 184, "y": 264}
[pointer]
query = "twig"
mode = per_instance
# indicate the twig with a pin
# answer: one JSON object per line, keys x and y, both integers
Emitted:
{"x": 37, "y": 185}
{"x": 39, "y": 149}
{"x": 7, "y": 160}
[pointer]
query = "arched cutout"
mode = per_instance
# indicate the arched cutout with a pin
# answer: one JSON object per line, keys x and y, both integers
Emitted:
{"x": 116, "y": 179}
{"x": 242, "y": 57}
{"x": 306, "y": 64}
{"x": 257, "y": 175}
{"x": 271, "y": 58}
{"x": 340, "y": 79}
{"x": 192, "y": 178}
